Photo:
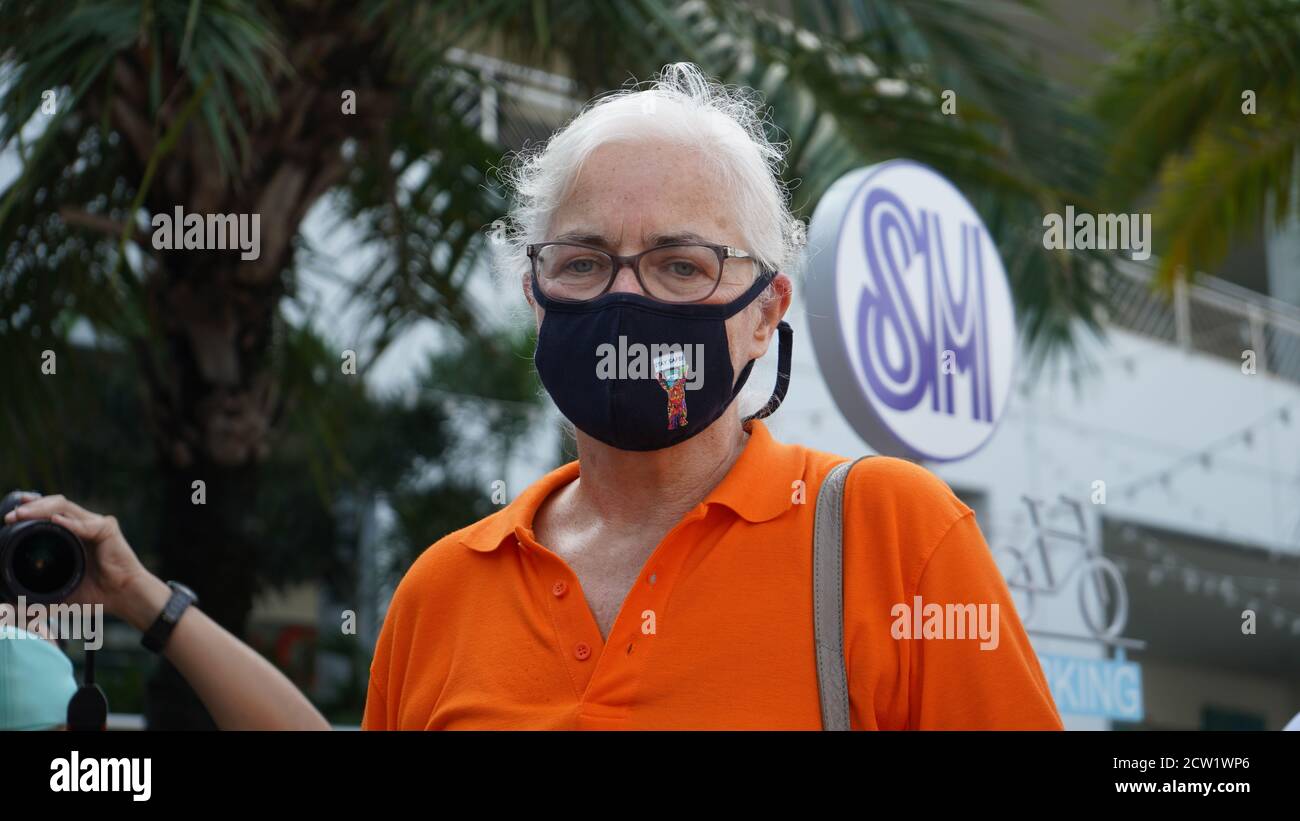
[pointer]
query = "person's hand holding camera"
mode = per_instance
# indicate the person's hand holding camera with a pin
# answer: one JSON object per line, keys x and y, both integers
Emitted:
{"x": 240, "y": 688}
{"x": 114, "y": 576}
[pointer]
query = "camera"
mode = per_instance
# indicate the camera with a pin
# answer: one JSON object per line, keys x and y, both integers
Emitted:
{"x": 39, "y": 560}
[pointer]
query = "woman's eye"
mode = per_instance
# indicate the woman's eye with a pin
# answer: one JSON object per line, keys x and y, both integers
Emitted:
{"x": 580, "y": 266}
{"x": 683, "y": 268}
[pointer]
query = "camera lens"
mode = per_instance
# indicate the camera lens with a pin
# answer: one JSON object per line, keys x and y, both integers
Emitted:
{"x": 43, "y": 562}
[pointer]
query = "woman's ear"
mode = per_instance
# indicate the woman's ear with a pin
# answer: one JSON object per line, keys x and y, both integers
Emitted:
{"x": 526, "y": 282}
{"x": 774, "y": 308}
{"x": 772, "y": 305}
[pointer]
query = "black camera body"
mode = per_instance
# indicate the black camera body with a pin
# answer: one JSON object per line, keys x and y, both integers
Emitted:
{"x": 39, "y": 560}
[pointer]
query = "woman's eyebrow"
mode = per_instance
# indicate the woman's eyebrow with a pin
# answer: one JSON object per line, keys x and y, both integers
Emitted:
{"x": 584, "y": 238}
{"x": 598, "y": 240}
{"x": 676, "y": 238}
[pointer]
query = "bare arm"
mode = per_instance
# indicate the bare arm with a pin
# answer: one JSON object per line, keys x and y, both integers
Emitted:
{"x": 240, "y": 689}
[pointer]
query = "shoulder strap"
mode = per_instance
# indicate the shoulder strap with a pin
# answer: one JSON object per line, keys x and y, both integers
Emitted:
{"x": 828, "y": 597}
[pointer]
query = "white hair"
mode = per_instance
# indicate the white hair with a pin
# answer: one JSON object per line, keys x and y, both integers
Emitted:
{"x": 681, "y": 105}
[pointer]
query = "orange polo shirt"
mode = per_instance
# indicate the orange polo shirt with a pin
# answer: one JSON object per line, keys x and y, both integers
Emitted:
{"x": 490, "y": 629}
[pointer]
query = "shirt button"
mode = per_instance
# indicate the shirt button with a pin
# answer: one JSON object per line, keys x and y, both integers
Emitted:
{"x": 559, "y": 588}
{"x": 581, "y": 650}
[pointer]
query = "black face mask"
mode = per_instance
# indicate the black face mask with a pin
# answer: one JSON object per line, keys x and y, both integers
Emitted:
{"x": 639, "y": 374}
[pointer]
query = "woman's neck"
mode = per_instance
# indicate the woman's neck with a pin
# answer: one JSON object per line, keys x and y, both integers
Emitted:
{"x": 643, "y": 487}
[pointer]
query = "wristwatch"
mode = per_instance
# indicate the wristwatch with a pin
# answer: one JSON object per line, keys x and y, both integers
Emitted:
{"x": 155, "y": 638}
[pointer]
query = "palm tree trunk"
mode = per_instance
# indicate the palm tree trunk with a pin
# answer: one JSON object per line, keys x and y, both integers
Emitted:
{"x": 207, "y": 547}
{"x": 213, "y": 404}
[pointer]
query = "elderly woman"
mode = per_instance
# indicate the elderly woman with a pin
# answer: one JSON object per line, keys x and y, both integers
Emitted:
{"x": 664, "y": 579}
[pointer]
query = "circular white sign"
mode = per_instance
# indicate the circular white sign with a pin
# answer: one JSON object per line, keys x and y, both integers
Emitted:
{"x": 910, "y": 311}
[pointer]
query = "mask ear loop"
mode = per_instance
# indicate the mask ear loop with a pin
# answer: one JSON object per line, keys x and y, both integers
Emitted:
{"x": 784, "y": 339}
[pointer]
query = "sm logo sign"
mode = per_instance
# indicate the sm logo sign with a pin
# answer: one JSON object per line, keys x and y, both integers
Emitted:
{"x": 910, "y": 311}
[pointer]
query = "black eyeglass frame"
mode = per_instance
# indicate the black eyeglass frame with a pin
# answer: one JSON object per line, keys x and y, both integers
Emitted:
{"x": 724, "y": 252}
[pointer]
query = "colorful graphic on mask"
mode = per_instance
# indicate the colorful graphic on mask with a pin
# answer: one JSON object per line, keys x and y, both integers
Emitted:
{"x": 672, "y": 373}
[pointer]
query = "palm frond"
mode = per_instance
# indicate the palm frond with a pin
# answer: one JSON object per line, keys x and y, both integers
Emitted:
{"x": 1176, "y": 102}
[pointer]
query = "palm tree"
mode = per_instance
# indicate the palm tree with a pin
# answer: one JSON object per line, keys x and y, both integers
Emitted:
{"x": 1204, "y": 108}
{"x": 118, "y": 110}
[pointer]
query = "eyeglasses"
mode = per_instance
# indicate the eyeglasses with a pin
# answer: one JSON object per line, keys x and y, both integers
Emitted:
{"x": 675, "y": 272}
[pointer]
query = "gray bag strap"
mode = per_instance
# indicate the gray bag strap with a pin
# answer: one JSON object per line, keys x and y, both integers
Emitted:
{"x": 828, "y": 597}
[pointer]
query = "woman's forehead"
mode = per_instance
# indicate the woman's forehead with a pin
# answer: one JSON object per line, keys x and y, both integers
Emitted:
{"x": 645, "y": 193}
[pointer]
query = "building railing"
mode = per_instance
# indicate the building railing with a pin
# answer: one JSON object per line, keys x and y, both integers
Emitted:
{"x": 1209, "y": 315}
{"x": 517, "y": 105}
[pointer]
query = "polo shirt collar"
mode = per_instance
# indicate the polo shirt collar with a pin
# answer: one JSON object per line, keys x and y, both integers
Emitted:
{"x": 516, "y": 518}
{"x": 759, "y": 487}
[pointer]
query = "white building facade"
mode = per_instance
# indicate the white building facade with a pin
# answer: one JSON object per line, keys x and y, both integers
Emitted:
{"x": 1185, "y": 466}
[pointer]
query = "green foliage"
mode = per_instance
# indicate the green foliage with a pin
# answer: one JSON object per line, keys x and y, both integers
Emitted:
{"x": 1174, "y": 101}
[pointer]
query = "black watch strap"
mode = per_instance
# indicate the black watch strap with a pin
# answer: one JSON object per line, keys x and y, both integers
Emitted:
{"x": 155, "y": 638}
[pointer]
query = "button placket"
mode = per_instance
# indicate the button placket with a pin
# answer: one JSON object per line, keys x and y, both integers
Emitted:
{"x": 578, "y": 639}
{"x": 618, "y": 674}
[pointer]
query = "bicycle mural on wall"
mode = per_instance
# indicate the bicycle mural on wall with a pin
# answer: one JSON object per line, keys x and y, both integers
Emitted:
{"x": 1033, "y": 571}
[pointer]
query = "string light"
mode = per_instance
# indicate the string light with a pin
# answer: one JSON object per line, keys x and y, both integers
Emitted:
{"x": 1205, "y": 456}
{"x": 1162, "y": 564}
{"x": 1156, "y": 563}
